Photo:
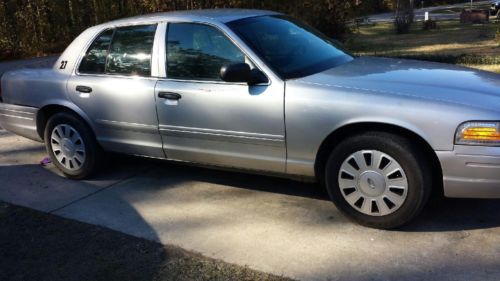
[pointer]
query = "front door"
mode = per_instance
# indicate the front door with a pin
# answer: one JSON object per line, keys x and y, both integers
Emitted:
{"x": 205, "y": 120}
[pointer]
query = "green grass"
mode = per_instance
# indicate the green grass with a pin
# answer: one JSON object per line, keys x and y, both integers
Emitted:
{"x": 472, "y": 45}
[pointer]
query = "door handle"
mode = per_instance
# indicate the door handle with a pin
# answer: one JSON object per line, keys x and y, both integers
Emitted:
{"x": 169, "y": 96}
{"x": 83, "y": 89}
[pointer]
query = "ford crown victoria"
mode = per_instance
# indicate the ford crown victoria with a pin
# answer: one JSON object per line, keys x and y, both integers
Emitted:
{"x": 263, "y": 92}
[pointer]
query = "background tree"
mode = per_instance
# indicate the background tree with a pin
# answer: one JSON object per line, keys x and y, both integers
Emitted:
{"x": 37, "y": 27}
{"x": 404, "y": 15}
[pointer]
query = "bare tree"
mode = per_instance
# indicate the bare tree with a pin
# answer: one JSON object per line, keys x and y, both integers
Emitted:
{"x": 404, "y": 15}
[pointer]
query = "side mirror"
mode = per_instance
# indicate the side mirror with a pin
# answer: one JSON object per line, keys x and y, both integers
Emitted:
{"x": 241, "y": 73}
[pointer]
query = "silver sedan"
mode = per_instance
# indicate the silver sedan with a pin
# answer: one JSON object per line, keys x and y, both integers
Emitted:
{"x": 263, "y": 92}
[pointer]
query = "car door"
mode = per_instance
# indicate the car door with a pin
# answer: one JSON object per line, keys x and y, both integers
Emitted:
{"x": 113, "y": 85}
{"x": 206, "y": 120}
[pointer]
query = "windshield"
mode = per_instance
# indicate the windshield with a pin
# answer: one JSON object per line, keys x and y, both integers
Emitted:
{"x": 291, "y": 48}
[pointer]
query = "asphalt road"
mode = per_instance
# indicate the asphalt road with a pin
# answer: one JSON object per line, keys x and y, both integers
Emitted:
{"x": 420, "y": 13}
{"x": 272, "y": 225}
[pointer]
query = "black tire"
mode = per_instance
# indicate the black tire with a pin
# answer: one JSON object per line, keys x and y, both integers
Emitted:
{"x": 93, "y": 152}
{"x": 415, "y": 167}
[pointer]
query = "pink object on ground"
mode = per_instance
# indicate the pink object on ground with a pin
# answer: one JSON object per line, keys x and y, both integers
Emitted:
{"x": 45, "y": 161}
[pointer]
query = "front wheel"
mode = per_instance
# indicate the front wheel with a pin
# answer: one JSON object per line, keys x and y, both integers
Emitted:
{"x": 379, "y": 179}
{"x": 71, "y": 146}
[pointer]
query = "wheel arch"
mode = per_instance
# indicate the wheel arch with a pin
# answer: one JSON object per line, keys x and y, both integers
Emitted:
{"x": 51, "y": 108}
{"x": 343, "y": 132}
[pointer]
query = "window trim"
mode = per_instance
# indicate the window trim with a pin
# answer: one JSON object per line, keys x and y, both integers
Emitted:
{"x": 114, "y": 27}
{"x": 163, "y": 64}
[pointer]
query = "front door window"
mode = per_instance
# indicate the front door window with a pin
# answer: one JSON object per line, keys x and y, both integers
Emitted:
{"x": 198, "y": 51}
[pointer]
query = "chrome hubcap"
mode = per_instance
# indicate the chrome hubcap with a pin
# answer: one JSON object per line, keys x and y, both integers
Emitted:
{"x": 68, "y": 147}
{"x": 373, "y": 183}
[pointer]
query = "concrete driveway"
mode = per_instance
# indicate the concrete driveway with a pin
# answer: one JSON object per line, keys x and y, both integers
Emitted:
{"x": 273, "y": 225}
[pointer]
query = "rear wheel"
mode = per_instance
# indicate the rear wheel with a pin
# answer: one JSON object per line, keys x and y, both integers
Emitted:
{"x": 72, "y": 146}
{"x": 378, "y": 179}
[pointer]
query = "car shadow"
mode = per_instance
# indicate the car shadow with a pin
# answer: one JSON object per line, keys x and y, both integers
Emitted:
{"x": 452, "y": 214}
{"x": 141, "y": 181}
{"x": 440, "y": 214}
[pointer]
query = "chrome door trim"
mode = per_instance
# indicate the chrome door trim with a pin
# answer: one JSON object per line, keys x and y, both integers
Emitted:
{"x": 222, "y": 135}
{"x": 125, "y": 126}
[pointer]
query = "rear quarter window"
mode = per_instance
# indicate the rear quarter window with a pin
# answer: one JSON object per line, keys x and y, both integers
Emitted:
{"x": 94, "y": 61}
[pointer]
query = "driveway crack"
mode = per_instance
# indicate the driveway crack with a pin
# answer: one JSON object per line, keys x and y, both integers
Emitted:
{"x": 97, "y": 191}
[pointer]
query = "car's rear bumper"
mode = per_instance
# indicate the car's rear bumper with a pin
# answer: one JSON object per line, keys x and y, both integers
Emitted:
{"x": 471, "y": 171}
{"x": 20, "y": 120}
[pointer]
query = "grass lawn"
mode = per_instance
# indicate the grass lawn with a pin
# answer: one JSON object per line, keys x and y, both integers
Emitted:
{"x": 472, "y": 45}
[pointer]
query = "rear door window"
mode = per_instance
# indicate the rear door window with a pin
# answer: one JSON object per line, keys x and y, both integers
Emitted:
{"x": 130, "y": 51}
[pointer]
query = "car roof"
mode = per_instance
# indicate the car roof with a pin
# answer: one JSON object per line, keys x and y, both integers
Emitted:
{"x": 220, "y": 15}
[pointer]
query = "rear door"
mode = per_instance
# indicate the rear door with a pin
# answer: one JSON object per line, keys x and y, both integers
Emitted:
{"x": 203, "y": 119}
{"x": 113, "y": 84}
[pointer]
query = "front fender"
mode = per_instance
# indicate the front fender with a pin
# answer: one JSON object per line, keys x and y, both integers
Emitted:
{"x": 313, "y": 112}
